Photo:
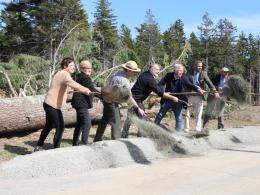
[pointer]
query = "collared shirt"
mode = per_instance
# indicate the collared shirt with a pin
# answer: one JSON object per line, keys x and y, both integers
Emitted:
{"x": 121, "y": 78}
{"x": 222, "y": 82}
{"x": 176, "y": 84}
{"x": 196, "y": 78}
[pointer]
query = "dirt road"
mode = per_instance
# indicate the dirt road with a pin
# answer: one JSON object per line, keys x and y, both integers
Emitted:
{"x": 234, "y": 170}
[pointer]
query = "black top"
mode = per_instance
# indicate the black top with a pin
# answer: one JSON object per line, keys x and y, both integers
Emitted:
{"x": 216, "y": 80}
{"x": 174, "y": 85}
{"x": 80, "y": 100}
{"x": 144, "y": 85}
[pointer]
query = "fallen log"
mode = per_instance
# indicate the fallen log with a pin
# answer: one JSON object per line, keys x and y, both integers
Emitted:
{"x": 22, "y": 114}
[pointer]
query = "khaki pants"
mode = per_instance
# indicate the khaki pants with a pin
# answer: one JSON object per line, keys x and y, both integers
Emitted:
{"x": 197, "y": 107}
{"x": 111, "y": 115}
{"x": 215, "y": 107}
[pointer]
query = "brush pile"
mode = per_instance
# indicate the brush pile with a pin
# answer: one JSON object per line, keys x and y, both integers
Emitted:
{"x": 115, "y": 93}
{"x": 163, "y": 140}
{"x": 239, "y": 89}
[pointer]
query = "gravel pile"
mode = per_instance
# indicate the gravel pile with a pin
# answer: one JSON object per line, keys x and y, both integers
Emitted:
{"x": 72, "y": 160}
{"x": 115, "y": 153}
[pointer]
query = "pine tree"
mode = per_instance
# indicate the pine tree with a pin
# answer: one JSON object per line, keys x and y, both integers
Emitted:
{"x": 127, "y": 46}
{"x": 197, "y": 49}
{"x": 242, "y": 55}
{"x": 105, "y": 33}
{"x": 16, "y": 29}
{"x": 207, "y": 32}
{"x": 149, "y": 41}
{"x": 126, "y": 37}
{"x": 174, "y": 40}
{"x": 224, "y": 44}
{"x": 53, "y": 20}
{"x": 37, "y": 27}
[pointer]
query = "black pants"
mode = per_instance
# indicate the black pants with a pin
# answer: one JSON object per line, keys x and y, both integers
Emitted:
{"x": 111, "y": 115}
{"x": 83, "y": 125}
{"x": 54, "y": 118}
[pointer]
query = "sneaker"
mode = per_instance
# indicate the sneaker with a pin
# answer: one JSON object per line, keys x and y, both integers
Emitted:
{"x": 186, "y": 130}
{"x": 38, "y": 148}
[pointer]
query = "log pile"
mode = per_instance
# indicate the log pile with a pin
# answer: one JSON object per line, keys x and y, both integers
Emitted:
{"x": 23, "y": 114}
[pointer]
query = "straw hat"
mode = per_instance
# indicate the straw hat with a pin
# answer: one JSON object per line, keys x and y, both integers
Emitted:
{"x": 132, "y": 66}
{"x": 225, "y": 69}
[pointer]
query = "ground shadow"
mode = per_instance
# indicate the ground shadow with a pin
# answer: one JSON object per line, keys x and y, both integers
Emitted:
{"x": 235, "y": 139}
{"x": 34, "y": 143}
{"x": 17, "y": 150}
{"x": 178, "y": 149}
{"x": 236, "y": 150}
{"x": 136, "y": 153}
{"x": 68, "y": 141}
{"x": 16, "y": 133}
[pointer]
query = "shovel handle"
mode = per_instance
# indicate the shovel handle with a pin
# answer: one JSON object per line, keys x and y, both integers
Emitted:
{"x": 91, "y": 93}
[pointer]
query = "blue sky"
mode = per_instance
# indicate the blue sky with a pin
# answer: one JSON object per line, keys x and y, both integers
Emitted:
{"x": 245, "y": 14}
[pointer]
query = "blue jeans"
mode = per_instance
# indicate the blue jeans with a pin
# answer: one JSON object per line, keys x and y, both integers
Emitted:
{"x": 176, "y": 107}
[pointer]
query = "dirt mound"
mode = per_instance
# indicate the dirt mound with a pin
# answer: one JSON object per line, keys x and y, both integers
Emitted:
{"x": 71, "y": 160}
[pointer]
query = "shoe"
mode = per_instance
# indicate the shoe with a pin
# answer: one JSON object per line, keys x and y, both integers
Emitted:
{"x": 205, "y": 132}
{"x": 124, "y": 135}
{"x": 186, "y": 130}
{"x": 38, "y": 148}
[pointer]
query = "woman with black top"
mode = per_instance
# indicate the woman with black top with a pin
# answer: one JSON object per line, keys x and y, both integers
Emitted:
{"x": 82, "y": 103}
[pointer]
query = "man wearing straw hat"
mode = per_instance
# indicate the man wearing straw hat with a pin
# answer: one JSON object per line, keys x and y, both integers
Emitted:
{"x": 199, "y": 78}
{"x": 216, "y": 104}
{"x": 111, "y": 112}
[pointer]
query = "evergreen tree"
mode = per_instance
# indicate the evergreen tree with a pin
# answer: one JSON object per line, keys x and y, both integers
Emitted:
{"x": 242, "y": 55}
{"x": 197, "y": 49}
{"x": 16, "y": 30}
{"x": 53, "y": 20}
{"x": 105, "y": 33}
{"x": 126, "y": 37}
{"x": 224, "y": 44}
{"x": 149, "y": 45}
{"x": 36, "y": 27}
{"x": 174, "y": 40}
{"x": 127, "y": 46}
{"x": 207, "y": 32}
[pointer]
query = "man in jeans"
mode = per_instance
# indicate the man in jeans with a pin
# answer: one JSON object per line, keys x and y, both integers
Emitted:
{"x": 175, "y": 82}
{"x": 199, "y": 78}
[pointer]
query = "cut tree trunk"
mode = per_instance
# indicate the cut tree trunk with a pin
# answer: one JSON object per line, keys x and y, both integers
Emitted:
{"x": 24, "y": 114}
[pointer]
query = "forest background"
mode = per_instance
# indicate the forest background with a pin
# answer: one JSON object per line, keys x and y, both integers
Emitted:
{"x": 36, "y": 34}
